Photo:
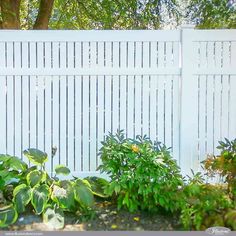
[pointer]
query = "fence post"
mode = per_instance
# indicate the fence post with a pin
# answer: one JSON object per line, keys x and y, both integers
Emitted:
{"x": 188, "y": 111}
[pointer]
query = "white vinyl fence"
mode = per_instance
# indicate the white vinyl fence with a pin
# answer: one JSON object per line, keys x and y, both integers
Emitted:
{"x": 70, "y": 88}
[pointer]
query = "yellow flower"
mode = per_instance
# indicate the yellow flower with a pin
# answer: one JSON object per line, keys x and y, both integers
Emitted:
{"x": 136, "y": 218}
{"x": 114, "y": 226}
{"x": 135, "y": 148}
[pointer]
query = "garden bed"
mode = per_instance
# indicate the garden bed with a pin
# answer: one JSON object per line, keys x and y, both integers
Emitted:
{"x": 106, "y": 218}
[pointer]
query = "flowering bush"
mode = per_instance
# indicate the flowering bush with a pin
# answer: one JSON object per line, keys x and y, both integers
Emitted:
{"x": 143, "y": 174}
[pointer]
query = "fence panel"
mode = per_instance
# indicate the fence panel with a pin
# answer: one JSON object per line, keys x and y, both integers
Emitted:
{"x": 69, "y": 89}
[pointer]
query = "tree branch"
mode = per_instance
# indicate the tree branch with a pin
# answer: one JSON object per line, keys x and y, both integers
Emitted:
{"x": 10, "y": 10}
{"x": 44, "y": 14}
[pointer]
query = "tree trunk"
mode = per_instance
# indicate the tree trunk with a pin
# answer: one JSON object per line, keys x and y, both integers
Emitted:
{"x": 10, "y": 10}
{"x": 44, "y": 14}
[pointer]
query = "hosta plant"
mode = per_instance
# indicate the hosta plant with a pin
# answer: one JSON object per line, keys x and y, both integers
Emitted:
{"x": 34, "y": 188}
{"x": 143, "y": 174}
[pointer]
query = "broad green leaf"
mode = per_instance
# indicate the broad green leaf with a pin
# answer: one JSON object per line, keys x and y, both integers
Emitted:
{"x": 98, "y": 185}
{"x": 2, "y": 183}
{"x": 63, "y": 195}
{"x": 84, "y": 195}
{"x": 30, "y": 169}
{"x": 16, "y": 164}
{"x": 35, "y": 177}
{"x": 84, "y": 182}
{"x": 61, "y": 169}
{"x": 40, "y": 196}
{"x": 10, "y": 177}
{"x": 53, "y": 218}
{"x": 36, "y": 156}
{"x": 21, "y": 197}
{"x": 8, "y": 215}
{"x": 4, "y": 158}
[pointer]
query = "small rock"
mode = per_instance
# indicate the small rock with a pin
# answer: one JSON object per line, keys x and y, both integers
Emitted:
{"x": 21, "y": 219}
{"x": 103, "y": 216}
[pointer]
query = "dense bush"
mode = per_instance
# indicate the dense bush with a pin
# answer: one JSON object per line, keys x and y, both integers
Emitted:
{"x": 205, "y": 205}
{"x": 23, "y": 188}
{"x": 224, "y": 165}
{"x": 212, "y": 204}
{"x": 143, "y": 174}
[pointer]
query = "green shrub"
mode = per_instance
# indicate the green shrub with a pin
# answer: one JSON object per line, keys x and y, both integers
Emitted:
{"x": 205, "y": 204}
{"x": 143, "y": 174}
{"x": 224, "y": 165}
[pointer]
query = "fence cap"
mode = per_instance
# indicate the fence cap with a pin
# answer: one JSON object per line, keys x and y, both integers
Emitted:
{"x": 187, "y": 26}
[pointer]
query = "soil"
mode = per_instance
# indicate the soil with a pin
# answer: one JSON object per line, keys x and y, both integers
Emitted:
{"x": 106, "y": 218}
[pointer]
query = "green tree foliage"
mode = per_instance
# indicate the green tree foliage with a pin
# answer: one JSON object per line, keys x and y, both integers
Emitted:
{"x": 110, "y": 14}
{"x": 212, "y": 13}
{"x": 98, "y": 14}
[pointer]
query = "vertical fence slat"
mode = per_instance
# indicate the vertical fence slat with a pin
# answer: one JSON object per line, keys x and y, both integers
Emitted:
{"x": 48, "y": 121}
{"x": 2, "y": 55}
{"x": 160, "y": 107}
{"x": 146, "y": 91}
{"x": 168, "y": 117}
{"x": 70, "y": 120}
{"x": 130, "y": 107}
{"x": 25, "y": 113}
{"x": 55, "y": 119}
{"x": 93, "y": 125}
{"x": 18, "y": 117}
{"x": 176, "y": 118}
{"x": 122, "y": 105}
{"x": 63, "y": 122}
{"x": 202, "y": 118}
{"x": 138, "y": 105}
{"x": 40, "y": 110}
{"x": 10, "y": 115}
{"x": 32, "y": 110}
{"x": 115, "y": 104}
{"x": 210, "y": 114}
{"x": 78, "y": 124}
{"x": 153, "y": 107}
{"x": 100, "y": 112}
{"x": 85, "y": 124}
{"x": 3, "y": 113}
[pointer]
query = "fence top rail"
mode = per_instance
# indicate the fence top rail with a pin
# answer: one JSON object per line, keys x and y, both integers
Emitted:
{"x": 88, "y": 35}
{"x": 228, "y": 35}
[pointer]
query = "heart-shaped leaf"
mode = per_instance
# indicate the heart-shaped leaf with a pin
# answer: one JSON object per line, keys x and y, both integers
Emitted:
{"x": 8, "y": 215}
{"x": 35, "y": 177}
{"x": 83, "y": 195}
{"x": 21, "y": 197}
{"x": 61, "y": 169}
{"x": 36, "y": 156}
{"x": 53, "y": 218}
{"x": 40, "y": 196}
